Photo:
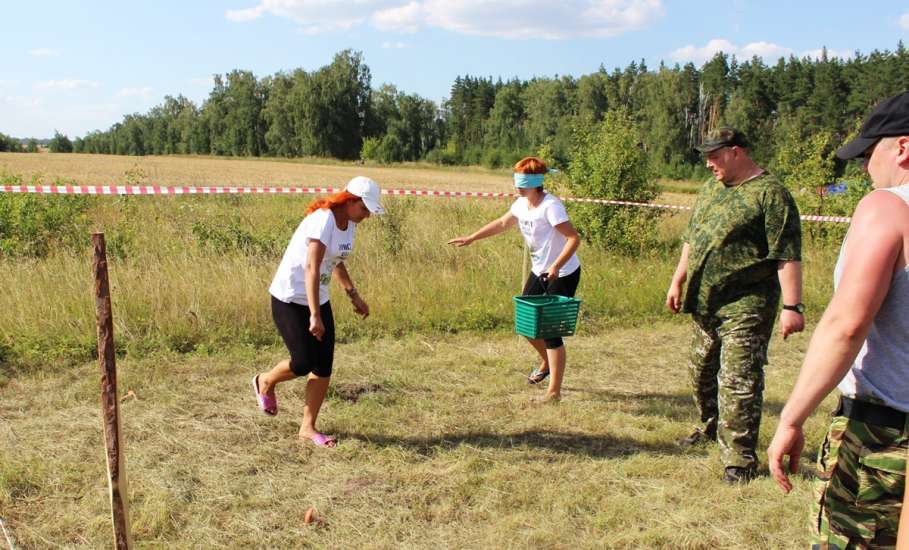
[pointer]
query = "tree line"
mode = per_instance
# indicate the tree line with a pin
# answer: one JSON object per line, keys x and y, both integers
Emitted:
{"x": 335, "y": 112}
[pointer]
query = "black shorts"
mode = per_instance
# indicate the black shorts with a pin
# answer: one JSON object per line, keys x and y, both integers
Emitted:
{"x": 307, "y": 355}
{"x": 562, "y": 286}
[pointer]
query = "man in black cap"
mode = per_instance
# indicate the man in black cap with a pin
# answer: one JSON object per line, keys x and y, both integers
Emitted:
{"x": 861, "y": 346}
{"x": 741, "y": 250}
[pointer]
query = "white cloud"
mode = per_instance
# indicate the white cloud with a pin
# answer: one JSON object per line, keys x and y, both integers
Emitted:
{"x": 315, "y": 16}
{"x": 904, "y": 21}
{"x": 542, "y": 19}
{"x": 766, "y": 50}
{"x": 508, "y": 19}
{"x": 143, "y": 92}
{"x": 22, "y": 102}
{"x": 45, "y": 52}
{"x": 395, "y": 45}
{"x": 66, "y": 84}
{"x": 406, "y": 18}
{"x": 241, "y": 16}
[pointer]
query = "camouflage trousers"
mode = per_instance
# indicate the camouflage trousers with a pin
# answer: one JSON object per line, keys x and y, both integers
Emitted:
{"x": 726, "y": 369}
{"x": 861, "y": 476}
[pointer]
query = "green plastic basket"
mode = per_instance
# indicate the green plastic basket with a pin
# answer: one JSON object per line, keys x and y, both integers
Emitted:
{"x": 545, "y": 316}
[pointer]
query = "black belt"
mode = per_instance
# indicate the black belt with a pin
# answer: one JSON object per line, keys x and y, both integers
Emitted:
{"x": 870, "y": 413}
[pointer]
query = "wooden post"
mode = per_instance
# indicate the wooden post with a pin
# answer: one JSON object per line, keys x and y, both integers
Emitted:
{"x": 110, "y": 412}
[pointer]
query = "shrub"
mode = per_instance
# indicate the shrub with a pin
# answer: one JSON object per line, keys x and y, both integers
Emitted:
{"x": 608, "y": 162}
{"x": 370, "y": 148}
{"x": 60, "y": 144}
{"x": 492, "y": 158}
{"x": 806, "y": 165}
{"x": 394, "y": 235}
{"x": 385, "y": 150}
{"x": 446, "y": 156}
{"x": 33, "y": 225}
{"x": 232, "y": 237}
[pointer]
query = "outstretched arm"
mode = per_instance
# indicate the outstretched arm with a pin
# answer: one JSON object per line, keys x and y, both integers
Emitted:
{"x": 492, "y": 228}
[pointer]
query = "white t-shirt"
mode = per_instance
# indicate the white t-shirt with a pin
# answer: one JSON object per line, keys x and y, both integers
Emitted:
{"x": 289, "y": 284}
{"x": 544, "y": 240}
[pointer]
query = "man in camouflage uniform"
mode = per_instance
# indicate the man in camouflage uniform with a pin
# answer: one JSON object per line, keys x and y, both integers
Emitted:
{"x": 861, "y": 344}
{"x": 741, "y": 248}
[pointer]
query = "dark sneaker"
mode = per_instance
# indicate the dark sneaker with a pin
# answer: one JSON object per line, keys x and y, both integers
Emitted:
{"x": 736, "y": 475}
{"x": 697, "y": 437}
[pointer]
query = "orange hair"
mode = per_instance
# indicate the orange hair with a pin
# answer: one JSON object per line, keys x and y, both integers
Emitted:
{"x": 530, "y": 165}
{"x": 338, "y": 199}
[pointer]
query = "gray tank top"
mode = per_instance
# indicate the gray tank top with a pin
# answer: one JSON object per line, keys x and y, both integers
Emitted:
{"x": 881, "y": 370}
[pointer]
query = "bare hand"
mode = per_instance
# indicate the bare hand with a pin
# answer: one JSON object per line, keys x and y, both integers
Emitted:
{"x": 460, "y": 241}
{"x": 791, "y": 322}
{"x": 361, "y": 307}
{"x": 787, "y": 441}
{"x": 674, "y": 298}
{"x": 316, "y": 328}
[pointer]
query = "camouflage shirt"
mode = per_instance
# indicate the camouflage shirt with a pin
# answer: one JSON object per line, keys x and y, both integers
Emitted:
{"x": 737, "y": 236}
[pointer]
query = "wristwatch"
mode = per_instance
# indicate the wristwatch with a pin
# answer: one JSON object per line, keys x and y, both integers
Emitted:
{"x": 798, "y": 308}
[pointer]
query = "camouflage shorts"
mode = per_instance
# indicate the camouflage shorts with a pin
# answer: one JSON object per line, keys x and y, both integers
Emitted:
{"x": 861, "y": 475}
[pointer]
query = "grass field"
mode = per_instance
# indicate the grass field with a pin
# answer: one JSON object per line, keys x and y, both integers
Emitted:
{"x": 440, "y": 447}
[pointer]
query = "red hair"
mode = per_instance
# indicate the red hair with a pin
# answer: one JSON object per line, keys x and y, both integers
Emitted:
{"x": 338, "y": 199}
{"x": 530, "y": 165}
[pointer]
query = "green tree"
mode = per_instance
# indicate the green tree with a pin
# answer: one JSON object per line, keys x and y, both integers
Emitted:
{"x": 280, "y": 138}
{"x": 551, "y": 109}
{"x": 60, "y": 143}
{"x": 330, "y": 107}
{"x": 504, "y": 129}
{"x": 714, "y": 90}
{"x": 609, "y": 162}
{"x": 8, "y": 144}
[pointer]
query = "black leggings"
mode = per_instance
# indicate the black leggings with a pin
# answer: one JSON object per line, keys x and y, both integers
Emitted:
{"x": 562, "y": 286}
{"x": 307, "y": 355}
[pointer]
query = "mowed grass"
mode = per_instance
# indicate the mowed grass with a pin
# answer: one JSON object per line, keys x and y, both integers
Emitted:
{"x": 439, "y": 448}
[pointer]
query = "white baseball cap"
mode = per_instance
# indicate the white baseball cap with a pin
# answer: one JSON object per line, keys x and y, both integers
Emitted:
{"x": 367, "y": 190}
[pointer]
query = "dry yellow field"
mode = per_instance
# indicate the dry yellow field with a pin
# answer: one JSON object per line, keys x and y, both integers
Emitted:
{"x": 47, "y": 168}
{"x": 186, "y": 170}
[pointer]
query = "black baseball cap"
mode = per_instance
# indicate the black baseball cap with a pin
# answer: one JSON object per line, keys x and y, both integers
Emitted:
{"x": 889, "y": 118}
{"x": 722, "y": 137}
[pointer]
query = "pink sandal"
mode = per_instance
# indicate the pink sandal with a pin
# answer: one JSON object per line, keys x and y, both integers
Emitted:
{"x": 268, "y": 403}
{"x": 322, "y": 440}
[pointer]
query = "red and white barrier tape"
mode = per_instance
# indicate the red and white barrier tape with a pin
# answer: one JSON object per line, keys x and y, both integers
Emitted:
{"x": 228, "y": 190}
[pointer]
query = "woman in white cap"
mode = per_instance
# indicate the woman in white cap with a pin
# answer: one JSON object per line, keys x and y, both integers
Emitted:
{"x": 299, "y": 298}
{"x": 555, "y": 268}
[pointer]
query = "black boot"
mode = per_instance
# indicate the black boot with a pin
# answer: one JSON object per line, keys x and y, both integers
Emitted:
{"x": 697, "y": 437}
{"x": 738, "y": 475}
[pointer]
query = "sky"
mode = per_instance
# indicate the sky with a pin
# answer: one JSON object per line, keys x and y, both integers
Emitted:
{"x": 75, "y": 67}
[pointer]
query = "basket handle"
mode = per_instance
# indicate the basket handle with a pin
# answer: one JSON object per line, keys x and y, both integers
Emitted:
{"x": 544, "y": 280}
